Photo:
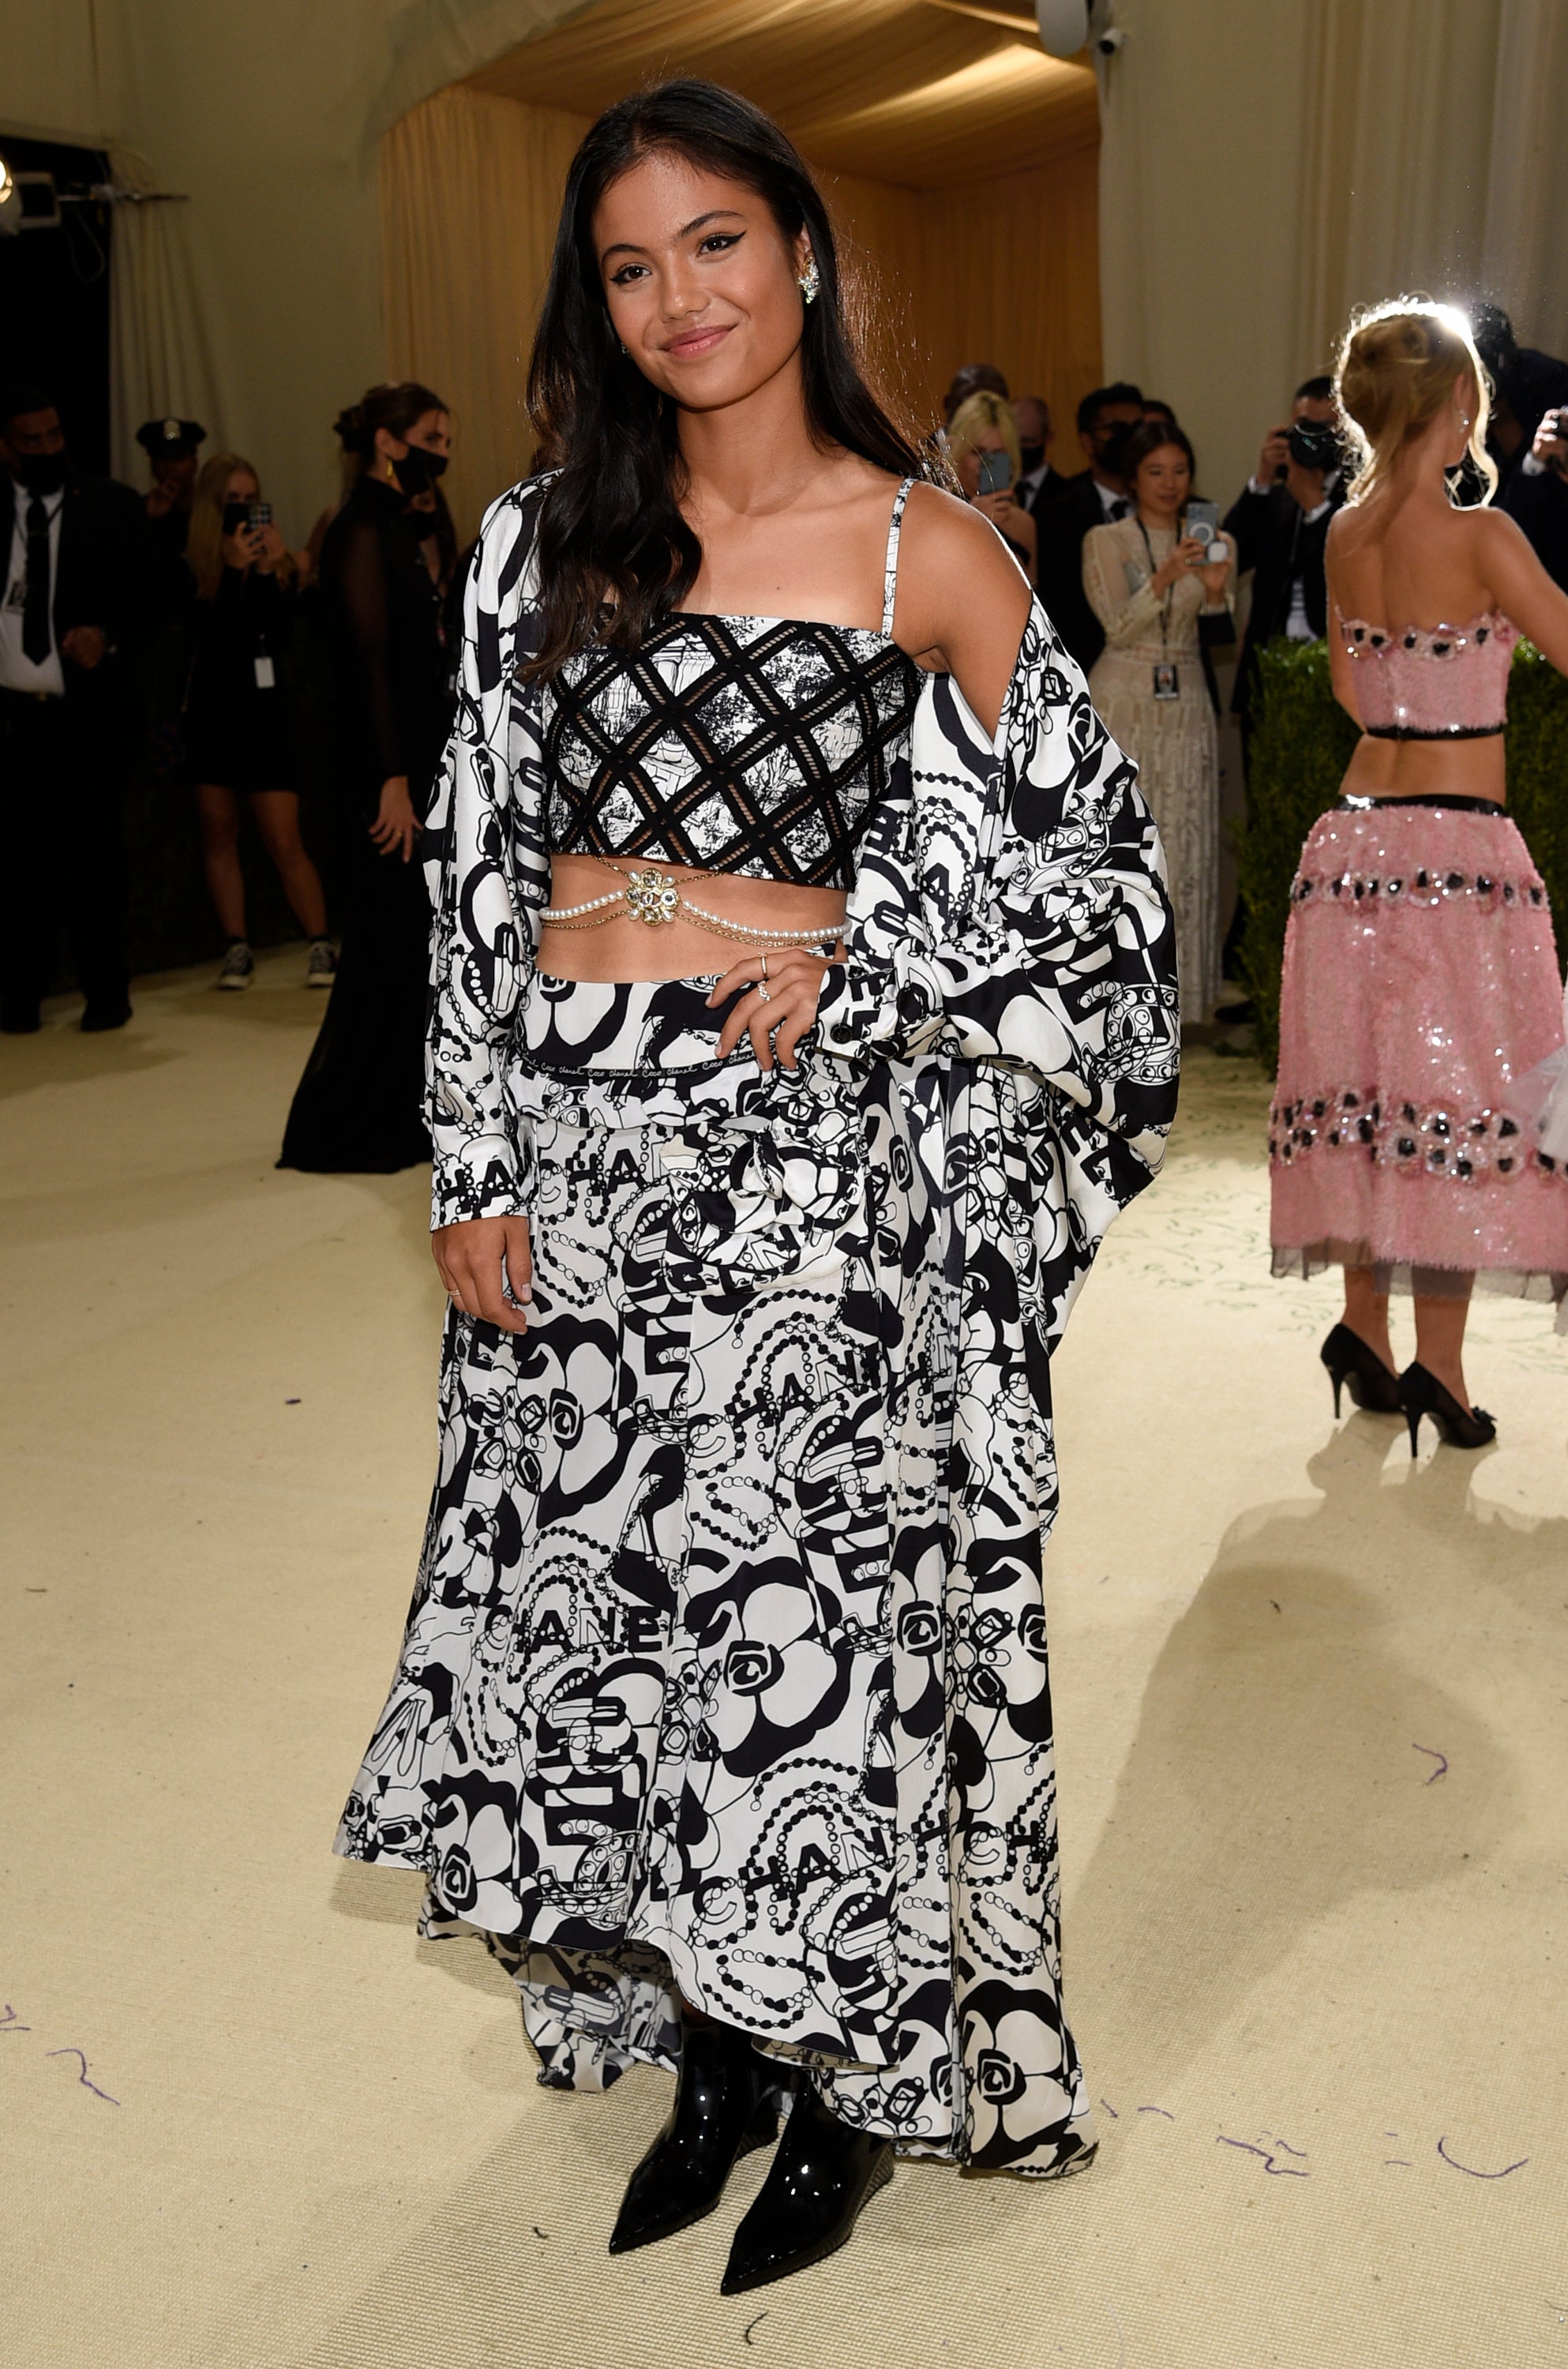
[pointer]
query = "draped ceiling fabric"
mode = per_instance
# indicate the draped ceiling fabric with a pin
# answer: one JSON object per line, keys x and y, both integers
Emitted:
{"x": 959, "y": 163}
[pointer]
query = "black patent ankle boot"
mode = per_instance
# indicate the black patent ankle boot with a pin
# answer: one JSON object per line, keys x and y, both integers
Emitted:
{"x": 725, "y": 2104}
{"x": 822, "y": 2174}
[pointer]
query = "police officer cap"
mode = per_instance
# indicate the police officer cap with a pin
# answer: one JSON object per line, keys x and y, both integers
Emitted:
{"x": 170, "y": 439}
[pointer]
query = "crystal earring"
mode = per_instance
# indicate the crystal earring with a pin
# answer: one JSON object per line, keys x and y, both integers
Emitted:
{"x": 810, "y": 280}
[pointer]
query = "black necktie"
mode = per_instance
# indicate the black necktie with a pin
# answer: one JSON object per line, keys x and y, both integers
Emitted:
{"x": 35, "y": 604}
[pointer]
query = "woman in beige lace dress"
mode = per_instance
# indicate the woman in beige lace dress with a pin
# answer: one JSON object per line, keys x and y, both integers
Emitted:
{"x": 1146, "y": 586}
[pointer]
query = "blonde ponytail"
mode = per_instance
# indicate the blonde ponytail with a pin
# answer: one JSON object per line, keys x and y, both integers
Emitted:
{"x": 1397, "y": 366}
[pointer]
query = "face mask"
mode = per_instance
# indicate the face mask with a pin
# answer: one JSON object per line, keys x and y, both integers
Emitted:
{"x": 418, "y": 470}
{"x": 41, "y": 472}
{"x": 1031, "y": 456}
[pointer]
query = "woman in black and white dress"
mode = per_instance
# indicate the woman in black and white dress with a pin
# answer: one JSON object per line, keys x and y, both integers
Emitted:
{"x": 804, "y": 1012}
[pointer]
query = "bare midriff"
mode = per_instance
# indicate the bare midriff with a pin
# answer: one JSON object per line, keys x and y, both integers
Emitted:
{"x": 624, "y": 949}
{"x": 1426, "y": 769}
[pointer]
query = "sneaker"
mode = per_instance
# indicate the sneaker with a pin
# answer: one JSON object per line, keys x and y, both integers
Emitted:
{"x": 322, "y": 967}
{"x": 239, "y": 967}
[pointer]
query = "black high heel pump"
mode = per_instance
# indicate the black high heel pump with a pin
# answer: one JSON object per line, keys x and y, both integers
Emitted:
{"x": 1373, "y": 1386}
{"x": 1420, "y": 1392}
{"x": 727, "y": 2101}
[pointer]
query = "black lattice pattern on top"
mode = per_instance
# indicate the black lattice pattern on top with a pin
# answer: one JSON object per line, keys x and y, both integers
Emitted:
{"x": 749, "y": 745}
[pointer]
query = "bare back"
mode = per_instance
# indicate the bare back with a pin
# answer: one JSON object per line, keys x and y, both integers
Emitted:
{"x": 1408, "y": 559}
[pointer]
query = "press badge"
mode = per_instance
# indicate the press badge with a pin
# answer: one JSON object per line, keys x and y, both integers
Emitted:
{"x": 1167, "y": 681}
{"x": 266, "y": 678}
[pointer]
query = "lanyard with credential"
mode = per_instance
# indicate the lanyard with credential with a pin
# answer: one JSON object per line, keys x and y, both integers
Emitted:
{"x": 1167, "y": 676}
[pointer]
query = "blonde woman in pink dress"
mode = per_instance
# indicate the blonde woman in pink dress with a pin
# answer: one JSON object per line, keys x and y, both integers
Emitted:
{"x": 1421, "y": 984}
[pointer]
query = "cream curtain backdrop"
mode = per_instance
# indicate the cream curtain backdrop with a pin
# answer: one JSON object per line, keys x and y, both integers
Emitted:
{"x": 258, "y": 303}
{"x": 1267, "y": 166}
{"x": 471, "y": 189}
{"x": 1001, "y": 270}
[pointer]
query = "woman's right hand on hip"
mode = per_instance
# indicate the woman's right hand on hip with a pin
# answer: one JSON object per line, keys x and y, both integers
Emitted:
{"x": 487, "y": 1265}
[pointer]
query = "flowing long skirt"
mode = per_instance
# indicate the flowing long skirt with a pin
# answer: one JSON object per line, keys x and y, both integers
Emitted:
{"x": 676, "y": 1706}
{"x": 357, "y": 1108}
{"x": 1420, "y": 988}
{"x": 1175, "y": 744}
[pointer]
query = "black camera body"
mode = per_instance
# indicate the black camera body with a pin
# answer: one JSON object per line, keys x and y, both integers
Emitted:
{"x": 1314, "y": 444}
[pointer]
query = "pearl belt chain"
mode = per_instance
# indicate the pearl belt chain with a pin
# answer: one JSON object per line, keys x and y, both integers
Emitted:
{"x": 655, "y": 897}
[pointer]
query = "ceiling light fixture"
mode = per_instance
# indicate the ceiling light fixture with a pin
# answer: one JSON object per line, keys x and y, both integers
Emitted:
{"x": 1066, "y": 26}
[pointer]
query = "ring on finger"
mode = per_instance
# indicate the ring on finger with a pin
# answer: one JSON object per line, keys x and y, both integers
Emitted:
{"x": 763, "y": 993}
{"x": 764, "y": 962}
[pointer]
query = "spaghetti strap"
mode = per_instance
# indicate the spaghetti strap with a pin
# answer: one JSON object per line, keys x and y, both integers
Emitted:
{"x": 890, "y": 571}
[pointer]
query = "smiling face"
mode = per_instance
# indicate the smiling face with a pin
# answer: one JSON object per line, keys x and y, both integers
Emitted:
{"x": 700, "y": 282}
{"x": 1164, "y": 481}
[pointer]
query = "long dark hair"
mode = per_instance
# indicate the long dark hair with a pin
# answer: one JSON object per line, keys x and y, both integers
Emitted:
{"x": 615, "y": 553}
{"x": 397, "y": 405}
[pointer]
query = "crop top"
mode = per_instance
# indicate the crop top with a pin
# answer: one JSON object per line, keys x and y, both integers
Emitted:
{"x": 751, "y": 745}
{"x": 1446, "y": 683}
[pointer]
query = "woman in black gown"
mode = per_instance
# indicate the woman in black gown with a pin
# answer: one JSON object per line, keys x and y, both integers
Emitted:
{"x": 358, "y": 1104}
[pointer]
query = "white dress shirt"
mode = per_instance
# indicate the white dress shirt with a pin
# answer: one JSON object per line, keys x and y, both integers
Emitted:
{"x": 18, "y": 671}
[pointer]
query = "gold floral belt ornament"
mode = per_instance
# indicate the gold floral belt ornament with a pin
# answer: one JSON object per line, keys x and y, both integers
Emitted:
{"x": 654, "y": 898}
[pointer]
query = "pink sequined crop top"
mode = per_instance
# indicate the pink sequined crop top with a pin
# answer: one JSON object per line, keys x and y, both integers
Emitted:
{"x": 1446, "y": 683}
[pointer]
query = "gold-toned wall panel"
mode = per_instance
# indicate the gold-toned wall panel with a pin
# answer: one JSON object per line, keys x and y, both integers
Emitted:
{"x": 1002, "y": 269}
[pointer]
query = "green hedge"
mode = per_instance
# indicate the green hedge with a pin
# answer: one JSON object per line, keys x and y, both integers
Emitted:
{"x": 1300, "y": 745}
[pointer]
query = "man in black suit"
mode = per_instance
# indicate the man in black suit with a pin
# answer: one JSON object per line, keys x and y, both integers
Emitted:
{"x": 1087, "y": 500}
{"x": 1526, "y": 385}
{"x": 75, "y": 582}
{"x": 1280, "y": 524}
{"x": 1038, "y": 483}
{"x": 1537, "y": 495}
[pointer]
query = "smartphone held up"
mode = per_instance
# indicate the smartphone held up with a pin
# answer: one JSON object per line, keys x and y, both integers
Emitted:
{"x": 1202, "y": 525}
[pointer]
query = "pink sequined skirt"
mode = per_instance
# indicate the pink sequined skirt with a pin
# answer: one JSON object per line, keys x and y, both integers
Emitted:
{"x": 1420, "y": 986}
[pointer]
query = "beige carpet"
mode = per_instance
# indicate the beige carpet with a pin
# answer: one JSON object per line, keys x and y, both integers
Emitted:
{"x": 1311, "y": 1702}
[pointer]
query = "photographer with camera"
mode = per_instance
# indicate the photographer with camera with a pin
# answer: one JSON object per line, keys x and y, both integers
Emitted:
{"x": 1280, "y": 525}
{"x": 1537, "y": 495}
{"x": 235, "y": 712}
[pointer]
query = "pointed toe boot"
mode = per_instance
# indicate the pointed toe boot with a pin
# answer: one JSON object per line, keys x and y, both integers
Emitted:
{"x": 727, "y": 2099}
{"x": 823, "y": 2173}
